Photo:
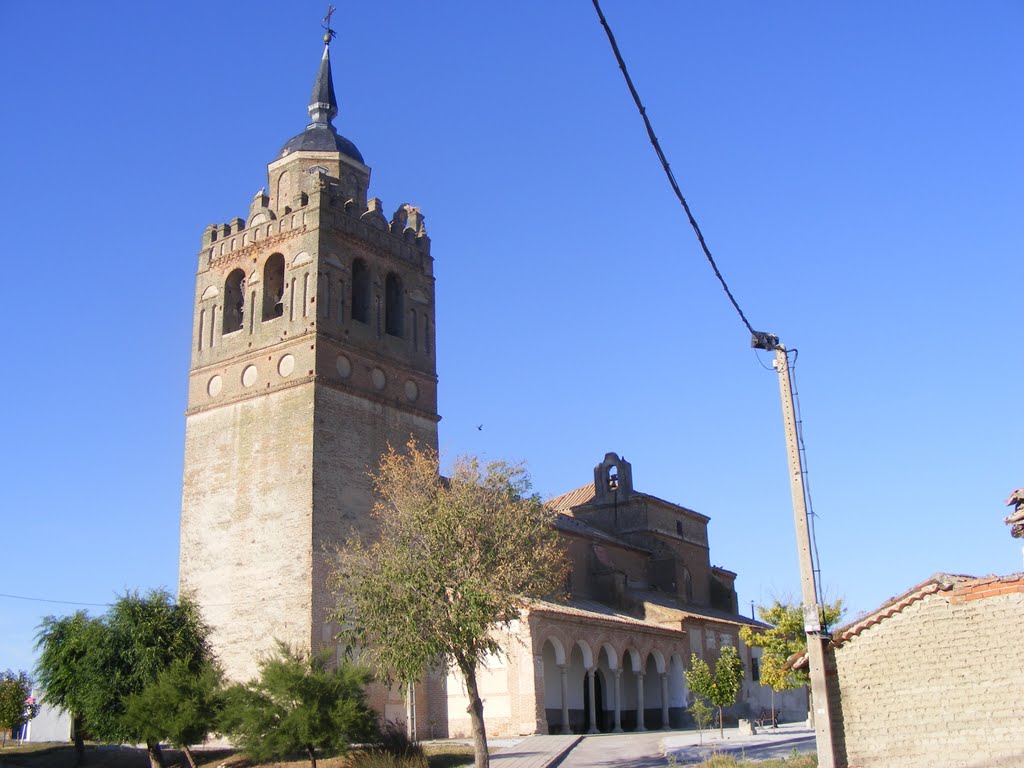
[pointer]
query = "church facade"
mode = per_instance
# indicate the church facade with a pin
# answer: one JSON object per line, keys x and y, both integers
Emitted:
{"x": 312, "y": 351}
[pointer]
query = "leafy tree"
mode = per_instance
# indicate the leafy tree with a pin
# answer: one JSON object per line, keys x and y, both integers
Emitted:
{"x": 118, "y": 655}
{"x": 64, "y": 671}
{"x": 15, "y": 709}
{"x": 784, "y": 638}
{"x": 455, "y": 559}
{"x": 702, "y": 715}
{"x": 181, "y": 706}
{"x": 298, "y": 705}
{"x": 720, "y": 688}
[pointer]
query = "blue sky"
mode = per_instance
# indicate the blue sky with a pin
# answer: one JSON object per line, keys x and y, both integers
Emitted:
{"x": 857, "y": 169}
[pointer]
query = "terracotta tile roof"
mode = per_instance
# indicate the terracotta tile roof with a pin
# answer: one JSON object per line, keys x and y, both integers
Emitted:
{"x": 575, "y": 498}
{"x": 685, "y": 611}
{"x": 961, "y": 587}
{"x": 585, "y": 495}
{"x": 573, "y": 525}
{"x": 593, "y": 610}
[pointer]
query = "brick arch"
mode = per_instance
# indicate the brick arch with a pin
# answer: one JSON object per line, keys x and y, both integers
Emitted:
{"x": 611, "y": 654}
{"x": 587, "y": 653}
{"x": 557, "y": 645}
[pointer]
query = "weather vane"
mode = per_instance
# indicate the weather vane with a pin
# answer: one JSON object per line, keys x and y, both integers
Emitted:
{"x": 327, "y": 25}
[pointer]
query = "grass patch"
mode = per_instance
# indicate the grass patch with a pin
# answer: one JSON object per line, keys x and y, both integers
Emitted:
{"x": 438, "y": 755}
{"x": 448, "y": 755}
{"x": 728, "y": 761}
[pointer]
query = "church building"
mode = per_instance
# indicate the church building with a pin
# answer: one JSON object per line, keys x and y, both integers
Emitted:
{"x": 312, "y": 351}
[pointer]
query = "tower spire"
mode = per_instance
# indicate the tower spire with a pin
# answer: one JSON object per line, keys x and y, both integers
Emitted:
{"x": 321, "y": 135}
{"x": 323, "y": 104}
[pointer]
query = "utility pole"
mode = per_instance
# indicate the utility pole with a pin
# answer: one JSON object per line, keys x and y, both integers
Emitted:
{"x": 816, "y": 638}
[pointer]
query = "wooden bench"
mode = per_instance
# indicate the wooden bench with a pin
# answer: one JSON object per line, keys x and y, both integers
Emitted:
{"x": 767, "y": 718}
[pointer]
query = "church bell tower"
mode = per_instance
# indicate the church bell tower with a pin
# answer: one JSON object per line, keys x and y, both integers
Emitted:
{"x": 312, "y": 351}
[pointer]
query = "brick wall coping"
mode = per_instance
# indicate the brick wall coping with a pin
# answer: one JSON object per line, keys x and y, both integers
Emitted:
{"x": 962, "y": 588}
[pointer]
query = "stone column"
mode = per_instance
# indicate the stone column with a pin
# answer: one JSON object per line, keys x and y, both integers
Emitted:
{"x": 593, "y": 700}
{"x": 565, "y": 698}
{"x": 664, "y": 701}
{"x": 618, "y": 701}
{"x": 640, "y": 701}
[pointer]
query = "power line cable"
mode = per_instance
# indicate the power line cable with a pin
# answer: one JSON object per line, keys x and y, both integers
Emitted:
{"x": 668, "y": 170}
{"x": 48, "y": 600}
{"x": 108, "y": 605}
{"x": 707, "y": 253}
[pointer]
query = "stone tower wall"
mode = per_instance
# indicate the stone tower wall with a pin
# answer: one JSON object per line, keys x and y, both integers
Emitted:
{"x": 245, "y": 529}
{"x": 350, "y": 436}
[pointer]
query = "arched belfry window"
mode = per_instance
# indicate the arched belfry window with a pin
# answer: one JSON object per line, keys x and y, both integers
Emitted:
{"x": 360, "y": 291}
{"x": 234, "y": 301}
{"x": 273, "y": 287}
{"x": 394, "y": 314}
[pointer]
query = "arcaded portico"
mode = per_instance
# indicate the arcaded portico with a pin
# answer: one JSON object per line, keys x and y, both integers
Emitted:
{"x": 605, "y": 672}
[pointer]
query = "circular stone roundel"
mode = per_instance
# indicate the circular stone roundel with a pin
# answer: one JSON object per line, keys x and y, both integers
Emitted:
{"x": 214, "y": 386}
{"x": 378, "y": 378}
{"x": 286, "y": 365}
{"x": 411, "y": 391}
{"x": 344, "y": 366}
{"x": 249, "y": 376}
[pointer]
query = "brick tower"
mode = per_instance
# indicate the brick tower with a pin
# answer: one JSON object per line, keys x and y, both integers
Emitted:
{"x": 313, "y": 349}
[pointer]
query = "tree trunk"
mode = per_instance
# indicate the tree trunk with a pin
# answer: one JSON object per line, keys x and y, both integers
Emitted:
{"x": 156, "y": 757}
{"x": 481, "y": 757}
{"x": 721, "y": 724}
{"x": 312, "y": 755}
{"x": 189, "y": 756}
{"x": 76, "y": 727}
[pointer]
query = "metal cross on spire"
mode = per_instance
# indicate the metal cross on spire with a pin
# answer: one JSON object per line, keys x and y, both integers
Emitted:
{"x": 330, "y": 33}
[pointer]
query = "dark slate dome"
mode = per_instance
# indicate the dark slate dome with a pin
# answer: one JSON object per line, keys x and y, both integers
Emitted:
{"x": 320, "y": 137}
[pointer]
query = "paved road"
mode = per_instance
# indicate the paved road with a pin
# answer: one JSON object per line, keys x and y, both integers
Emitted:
{"x": 771, "y": 742}
{"x": 636, "y": 750}
{"x": 649, "y": 750}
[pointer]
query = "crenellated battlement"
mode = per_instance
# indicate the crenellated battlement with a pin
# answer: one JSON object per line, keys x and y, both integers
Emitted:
{"x": 403, "y": 236}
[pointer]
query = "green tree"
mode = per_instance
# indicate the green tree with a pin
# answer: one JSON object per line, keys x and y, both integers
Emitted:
{"x": 720, "y": 688}
{"x": 118, "y": 655}
{"x": 454, "y": 560}
{"x": 784, "y": 638}
{"x": 15, "y": 709}
{"x": 702, "y": 715}
{"x": 180, "y": 706}
{"x": 64, "y": 671}
{"x": 299, "y": 705}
